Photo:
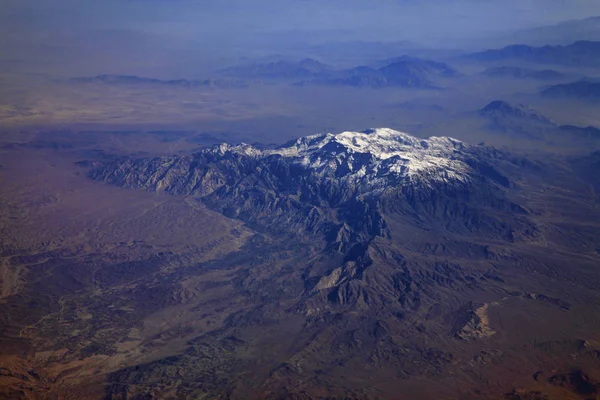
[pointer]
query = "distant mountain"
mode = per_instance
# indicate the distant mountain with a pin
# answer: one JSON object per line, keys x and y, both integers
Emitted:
{"x": 355, "y": 51}
{"x": 528, "y": 122}
{"x": 137, "y": 80}
{"x": 441, "y": 69}
{"x": 523, "y": 73}
{"x": 360, "y": 77}
{"x": 417, "y": 72}
{"x": 502, "y": 109}
{"x": 402, "y": 72}
{"x": 584, "y": 90}
{"x": 304, "y": 69}
{"x": 582, "y": 53}
{"x": 515, "y": 118}
{"x": 589, "y": 132}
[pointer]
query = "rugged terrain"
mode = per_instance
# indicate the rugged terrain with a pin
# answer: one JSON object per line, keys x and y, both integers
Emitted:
{"x": 430, "y": 251}
{"x": 354, "y": 265}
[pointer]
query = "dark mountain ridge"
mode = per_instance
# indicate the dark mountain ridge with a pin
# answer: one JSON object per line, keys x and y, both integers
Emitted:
{"x": 584, "y": 90}
{"x": 578, "y": 54}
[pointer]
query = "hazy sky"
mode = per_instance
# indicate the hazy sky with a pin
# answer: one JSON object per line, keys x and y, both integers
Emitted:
{"x": 369, "y": 19}
{"x": 137, "y": 30}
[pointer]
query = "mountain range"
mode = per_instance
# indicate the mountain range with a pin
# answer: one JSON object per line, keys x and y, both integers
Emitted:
{"x": 378, "y": 251}
{"x": 347, "y": 171}
{"x": 578, "y": 54}
{"x": 138, "y": 80}
{"x": 400, "y": 72}
{"x": 361, "y": 265}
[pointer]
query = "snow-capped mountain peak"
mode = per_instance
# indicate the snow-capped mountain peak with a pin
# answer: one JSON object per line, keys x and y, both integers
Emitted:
{"x": 381, "y": 143}
{"x": 377, "y": 154}
{"x": 375, "y": 158}
{"x": 356, "y": 163}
